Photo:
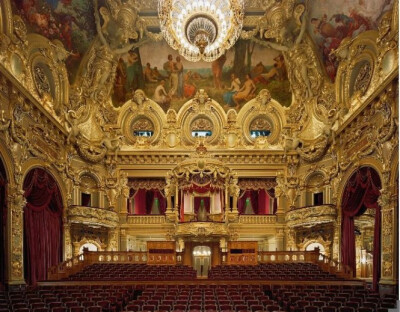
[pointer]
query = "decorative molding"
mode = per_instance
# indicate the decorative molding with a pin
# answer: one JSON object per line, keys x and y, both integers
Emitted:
{"x": 309, "y": 216}
{"x": 93, "y": 216}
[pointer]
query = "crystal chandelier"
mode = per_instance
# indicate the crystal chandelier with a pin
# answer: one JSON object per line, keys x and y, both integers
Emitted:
{"x": 201, "y": 29}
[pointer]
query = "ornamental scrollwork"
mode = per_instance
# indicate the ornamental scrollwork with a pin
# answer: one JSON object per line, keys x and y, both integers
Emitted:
{"x": 95, "y": 216}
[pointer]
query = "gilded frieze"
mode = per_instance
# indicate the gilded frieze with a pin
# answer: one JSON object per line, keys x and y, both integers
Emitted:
{"x": 311, "y": 215}
{"x": 94, "y": 216}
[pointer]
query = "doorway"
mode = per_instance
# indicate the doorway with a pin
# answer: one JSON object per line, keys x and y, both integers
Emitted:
{"x": 202, "y": 260}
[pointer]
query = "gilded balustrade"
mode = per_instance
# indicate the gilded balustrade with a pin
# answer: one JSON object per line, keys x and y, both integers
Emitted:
{"x": 257, "y": 219}
{"x": 145, "y": 219}
{"x": 77, "y": 263}
{"x": 93, "y": 215}
{"x": 311, "y": 215}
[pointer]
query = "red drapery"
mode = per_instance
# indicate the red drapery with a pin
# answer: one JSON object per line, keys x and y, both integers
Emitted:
{"x": 260, "y": 201}
{"x": 197, "y": 201}
{"x": 144, "y": 200}
{"x": 151, "y": 196}
{"x": 3, "y": 221}
{"x": 362, "y": 192}
{"x": 271, "y": 193}
{"x": 42, "y": 224}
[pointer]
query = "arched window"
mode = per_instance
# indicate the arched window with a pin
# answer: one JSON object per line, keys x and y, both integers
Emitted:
{"x": 314, "y": 245}
{"x": 89, "y": 193}
{"x": 88, "y": 247}
{"x": 315, "y": 190}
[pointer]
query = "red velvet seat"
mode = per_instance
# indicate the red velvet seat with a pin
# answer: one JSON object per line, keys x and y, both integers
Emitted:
{"x": 77, "y": 309}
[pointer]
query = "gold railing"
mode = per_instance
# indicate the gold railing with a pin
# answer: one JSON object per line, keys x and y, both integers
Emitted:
{"x": 335, "y": 267}
{"x": 288, "y": 256}
{"x": 313, "y": 256}
{"x": 145, "y": 219}
{"x": 78, "y": 263}
{"x": 257, "y": 219}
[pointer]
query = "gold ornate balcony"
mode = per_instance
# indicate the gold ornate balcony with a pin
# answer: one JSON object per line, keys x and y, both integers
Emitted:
{"x": 93, "y": 216}
{"x": 312, "y": 215}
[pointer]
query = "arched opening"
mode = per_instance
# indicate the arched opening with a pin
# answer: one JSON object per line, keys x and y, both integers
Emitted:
{"x": 202, "y": 260}
{"x": 88, "y": 247}
{"x": 314, "y": 245}
{"x": 315, "y": 189}
{"x": 89, "y": 194}
{"x": 42, "y": 225}
{"x": 3, "y": 221}
{"x": 361, "y": 194}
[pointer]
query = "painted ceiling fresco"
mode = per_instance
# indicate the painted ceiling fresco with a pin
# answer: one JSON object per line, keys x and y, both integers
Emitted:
{"x": 171, "y": 82}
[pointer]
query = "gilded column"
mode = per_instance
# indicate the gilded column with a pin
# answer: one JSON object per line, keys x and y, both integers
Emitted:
{"x": 388, "y": 238}
{"x": 113, "y": 239}
{"x": 123, "y": 241}
{"x": 280, "y": 236}
{"x": 16, "y": 221}
{"x": 67, "y": 241}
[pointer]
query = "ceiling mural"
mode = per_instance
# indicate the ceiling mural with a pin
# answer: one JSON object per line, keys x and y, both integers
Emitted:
{"x": 71, "y": 21}
{"x": 172, "y": 82}
{"x": 232, "y": 80}
{"x": 333, "y": 21}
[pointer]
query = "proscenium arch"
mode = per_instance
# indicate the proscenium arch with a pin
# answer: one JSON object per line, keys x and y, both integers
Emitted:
{"x": 359, "y": 194}
{"x": 4, "y": 212}
{"x": 49, "y": 243}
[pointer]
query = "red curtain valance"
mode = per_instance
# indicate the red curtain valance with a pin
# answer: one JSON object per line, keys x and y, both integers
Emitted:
{"x": 41, "y": 192}
{"x": 201, "y": 189}
{"x": 361, "y": 192}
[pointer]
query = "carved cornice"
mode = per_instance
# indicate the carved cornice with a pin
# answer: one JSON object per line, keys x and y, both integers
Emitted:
{"x": 93, "y": 216}
{"x": 309, "y": 216}
{"x": 237, "y": 157}
{"x": 202, "y": 230}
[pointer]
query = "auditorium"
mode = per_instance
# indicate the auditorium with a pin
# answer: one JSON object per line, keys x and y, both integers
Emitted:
{"x": 199, "y": 156}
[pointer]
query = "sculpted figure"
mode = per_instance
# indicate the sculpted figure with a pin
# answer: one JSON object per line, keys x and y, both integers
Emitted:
{"x": 112, "y": 144}
{"x": 72, "y": 120}
{"x": 120, "y": 25}
{"x": 291, "y": 143}
{"x": 302, "y": 64}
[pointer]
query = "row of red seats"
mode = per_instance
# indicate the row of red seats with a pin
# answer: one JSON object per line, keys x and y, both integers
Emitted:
{"x": 65, "y": 300}
{"x": 333, "y": 299}
{"x": 111, "y": 271}
{"x": 283, "y": 271}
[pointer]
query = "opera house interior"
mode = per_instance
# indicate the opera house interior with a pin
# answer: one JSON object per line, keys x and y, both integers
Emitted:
{"x": 251, "y": 166}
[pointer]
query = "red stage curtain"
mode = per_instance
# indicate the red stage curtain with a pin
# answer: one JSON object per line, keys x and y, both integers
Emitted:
{"x": 362, "y": 192}
{"x": 3, "y": 221}
{"x": 42, "y": 224}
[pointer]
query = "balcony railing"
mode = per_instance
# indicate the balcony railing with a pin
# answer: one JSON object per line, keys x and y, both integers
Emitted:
{"x": 78, "y": 263}
{"x": 257, "y": 219}
{"x": 306, "y": 216}
{"x": 93, "y": 215}
{"x": 146, "y": 219}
